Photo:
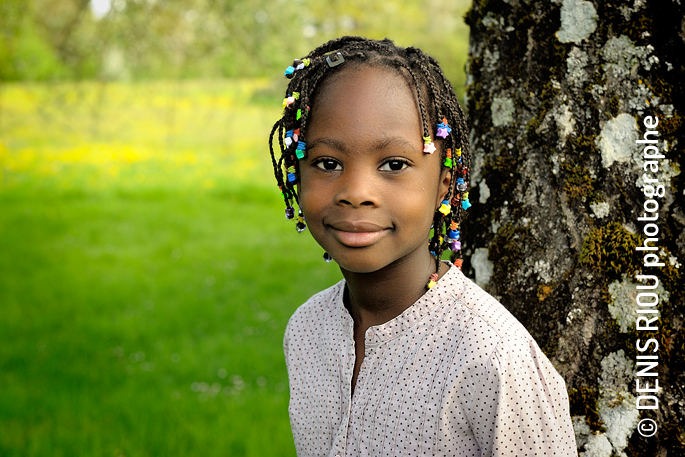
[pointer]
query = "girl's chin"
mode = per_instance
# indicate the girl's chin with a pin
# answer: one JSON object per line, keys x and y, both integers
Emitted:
{"x": 375, "y": 258}
{"x": 359, "y": 266}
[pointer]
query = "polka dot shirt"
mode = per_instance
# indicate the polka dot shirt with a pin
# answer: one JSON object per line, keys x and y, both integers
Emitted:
{"x": 454, "y": 375}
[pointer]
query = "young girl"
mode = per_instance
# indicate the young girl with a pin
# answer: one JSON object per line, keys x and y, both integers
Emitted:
{"x": 405, "y": 356}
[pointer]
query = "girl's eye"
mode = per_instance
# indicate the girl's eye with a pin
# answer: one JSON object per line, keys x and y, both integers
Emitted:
{"x": 394, "y": 165}
{"x": 328, "y": 165}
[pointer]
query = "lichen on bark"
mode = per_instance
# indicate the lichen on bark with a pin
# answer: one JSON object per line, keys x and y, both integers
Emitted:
{"x": 557, "y": 94}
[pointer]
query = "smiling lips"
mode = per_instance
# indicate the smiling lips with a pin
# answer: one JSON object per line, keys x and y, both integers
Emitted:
{"x": 357, "y": 234}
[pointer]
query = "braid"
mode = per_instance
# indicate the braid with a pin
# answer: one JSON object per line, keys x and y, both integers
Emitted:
{"x": 435, "y": 92}
{"x": 422, "y": 108}
{"x": 437, "y": 102}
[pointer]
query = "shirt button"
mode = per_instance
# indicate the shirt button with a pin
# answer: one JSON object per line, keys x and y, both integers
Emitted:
{"x": 363, "y": 367}
{"x": 370, "y": 333}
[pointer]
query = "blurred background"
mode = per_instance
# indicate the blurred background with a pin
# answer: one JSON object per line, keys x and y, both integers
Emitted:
{"x": 146, "y": 269}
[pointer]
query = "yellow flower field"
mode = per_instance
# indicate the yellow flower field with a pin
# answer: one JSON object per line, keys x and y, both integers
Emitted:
{"x": 101, "y": 136}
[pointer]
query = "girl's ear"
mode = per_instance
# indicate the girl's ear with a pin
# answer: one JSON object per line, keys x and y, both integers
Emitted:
{"x": 444, "y": 185}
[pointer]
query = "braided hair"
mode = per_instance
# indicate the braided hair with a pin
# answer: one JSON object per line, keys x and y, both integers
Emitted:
{"x": 438, "y": 105}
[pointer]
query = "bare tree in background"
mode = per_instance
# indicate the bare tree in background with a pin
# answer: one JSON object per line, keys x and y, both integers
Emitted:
{"x": 558, "y": 92}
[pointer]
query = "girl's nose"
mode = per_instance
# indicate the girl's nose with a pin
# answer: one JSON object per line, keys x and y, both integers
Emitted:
{"x": 358, "y": 188}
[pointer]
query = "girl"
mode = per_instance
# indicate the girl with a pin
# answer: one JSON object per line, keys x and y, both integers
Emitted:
{"x": 405, "y": 356}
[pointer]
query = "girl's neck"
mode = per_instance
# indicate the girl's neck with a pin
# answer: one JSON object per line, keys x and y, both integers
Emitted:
{"x": 375, "y": 298}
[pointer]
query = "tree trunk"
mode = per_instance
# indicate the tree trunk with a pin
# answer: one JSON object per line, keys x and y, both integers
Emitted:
{"x": 559, "y": 94}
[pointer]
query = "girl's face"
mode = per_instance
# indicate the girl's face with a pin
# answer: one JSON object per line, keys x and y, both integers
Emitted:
{"x": 368, "y": 191}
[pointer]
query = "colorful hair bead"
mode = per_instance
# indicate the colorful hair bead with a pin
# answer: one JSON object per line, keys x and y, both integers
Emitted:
{"x": 288, "y": 138}
{"x": 456, "y": 246}
{"x": 428, "y": 148}
{"x": 300, "y": 226}
{"x": 454, "y": 225}
{"x": 443, "y": 129}
{"x": 448, "y": 162}
{"x": 458, "y": 263}
{"x": 444, "y": 207}
{"x": 292, "y": 177}
{"x": 296, "y": 66}
{"x": 461, "y": 185}
{"x": 299, "y": 152}
{"x": 327, "y": 257}
{"x": 458, "y": 152}
{"x": 296, "y": 134}
{"x": 433, "y": 280}
{"x": 299, "y": 114}
{"x": 454, "y": 234}
{"x": 466, "y": 204}
{"x": 455, "y": 201}
{"x": 289, "y": 212}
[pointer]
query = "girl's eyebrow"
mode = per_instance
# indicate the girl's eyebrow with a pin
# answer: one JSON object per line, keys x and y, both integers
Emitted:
{"x": 380, "y": 144}
{"x": 330, "y": 142}
{"x": 395, "y": 141}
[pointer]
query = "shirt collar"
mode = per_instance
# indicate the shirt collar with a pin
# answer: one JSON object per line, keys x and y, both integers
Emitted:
{"x": 447, "y": 288}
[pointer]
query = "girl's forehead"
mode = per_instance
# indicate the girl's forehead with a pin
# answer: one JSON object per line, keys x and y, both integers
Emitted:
{"x": 364, "y": 79}
{"x": 365, "y": 95}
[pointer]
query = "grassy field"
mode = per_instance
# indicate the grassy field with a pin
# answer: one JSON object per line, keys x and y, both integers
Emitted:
{"x": 146, "y": 271}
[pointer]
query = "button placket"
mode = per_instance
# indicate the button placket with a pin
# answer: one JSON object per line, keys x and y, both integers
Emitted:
{"x": 347, "y": 355}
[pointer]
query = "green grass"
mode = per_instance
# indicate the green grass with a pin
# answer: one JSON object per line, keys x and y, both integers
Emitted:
{"x": 145, "y": 279}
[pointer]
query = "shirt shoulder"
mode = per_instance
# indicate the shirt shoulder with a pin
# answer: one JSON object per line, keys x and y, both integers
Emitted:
{"x": 318, "y": 306}
{"x": 313, "y": 315}
{"x": 495, "y": 335}
{"x": 517, "y": 402}
{"x": 491, "y": 312}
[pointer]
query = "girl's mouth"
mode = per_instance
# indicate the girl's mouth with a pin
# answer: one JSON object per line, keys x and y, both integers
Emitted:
{"x": 357, "y": 234}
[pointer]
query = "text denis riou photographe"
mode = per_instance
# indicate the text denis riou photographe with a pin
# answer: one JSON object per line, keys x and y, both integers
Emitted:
{"x": 647, "y": 300}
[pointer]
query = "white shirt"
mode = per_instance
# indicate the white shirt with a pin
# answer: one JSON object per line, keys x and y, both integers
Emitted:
{"x": 454, "y": 375}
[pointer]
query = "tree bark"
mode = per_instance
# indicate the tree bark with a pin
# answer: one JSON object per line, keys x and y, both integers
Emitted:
{"x": 558, "y": 93}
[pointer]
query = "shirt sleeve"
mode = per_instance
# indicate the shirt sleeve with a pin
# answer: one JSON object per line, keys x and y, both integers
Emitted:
{"x": 286, "y": 342}
{"x": 520, "y": 406}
